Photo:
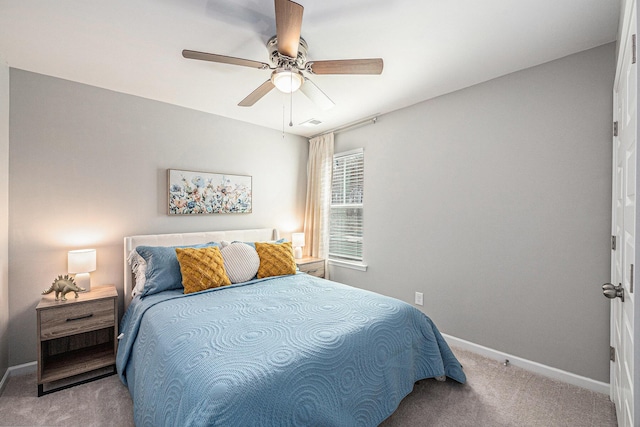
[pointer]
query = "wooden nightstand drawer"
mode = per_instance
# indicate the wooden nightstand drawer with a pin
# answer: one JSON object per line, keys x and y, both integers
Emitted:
{"x": 312, "y": 266}
{"x": 76, "y": 318}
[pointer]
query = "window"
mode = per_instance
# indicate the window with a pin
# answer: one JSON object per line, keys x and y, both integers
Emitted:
{"x": 345, "y": 223}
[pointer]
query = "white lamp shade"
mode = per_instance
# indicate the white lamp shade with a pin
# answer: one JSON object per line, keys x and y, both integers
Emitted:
{"x": 297, "y": 240}
{"x": 81, "y": 261}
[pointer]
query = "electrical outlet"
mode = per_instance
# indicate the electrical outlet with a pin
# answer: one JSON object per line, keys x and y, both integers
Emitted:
{"x": 419, "y": 298}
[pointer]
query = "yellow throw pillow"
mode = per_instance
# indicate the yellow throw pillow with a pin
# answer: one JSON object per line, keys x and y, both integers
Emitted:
{"x": 201, "y": 268}
{"x": 276, "y": 259}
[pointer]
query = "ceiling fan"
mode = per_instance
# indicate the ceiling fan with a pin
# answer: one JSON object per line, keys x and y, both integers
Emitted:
{"x": 288, "y": 57}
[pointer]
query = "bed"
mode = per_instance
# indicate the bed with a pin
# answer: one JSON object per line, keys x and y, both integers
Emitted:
{"x": 272, "y": 351}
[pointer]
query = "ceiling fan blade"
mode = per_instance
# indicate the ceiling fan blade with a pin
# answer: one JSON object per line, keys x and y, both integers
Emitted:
{"x": 288, "y": 25}
{"x": 192, "y": 54}
{"x": 347, "y": 66}
{"x": 255, "y": 96}
{"x": 316, "y": 95}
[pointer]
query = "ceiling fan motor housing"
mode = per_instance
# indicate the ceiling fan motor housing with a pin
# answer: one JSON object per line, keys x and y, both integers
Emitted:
{"x": 279, "y": 60}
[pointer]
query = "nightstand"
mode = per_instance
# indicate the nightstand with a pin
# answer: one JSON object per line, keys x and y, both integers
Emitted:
{"x": 76, "y": 336}
{"x": 311, "y": 265}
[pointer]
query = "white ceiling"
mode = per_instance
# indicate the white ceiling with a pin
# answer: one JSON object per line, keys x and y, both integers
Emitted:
{"x": 429, "y": 47}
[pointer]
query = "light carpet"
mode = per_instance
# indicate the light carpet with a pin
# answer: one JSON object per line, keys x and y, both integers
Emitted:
{"x": 495, "y": 395}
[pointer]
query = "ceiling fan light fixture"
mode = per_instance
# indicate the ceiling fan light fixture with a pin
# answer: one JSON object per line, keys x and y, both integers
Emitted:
{"x": 286, "y": 80}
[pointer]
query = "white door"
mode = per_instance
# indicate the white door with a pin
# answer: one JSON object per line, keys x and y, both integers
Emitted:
{"x": 623, "y": 262}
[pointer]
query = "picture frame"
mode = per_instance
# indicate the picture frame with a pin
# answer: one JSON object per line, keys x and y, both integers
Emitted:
{"x": 204, "y": 193}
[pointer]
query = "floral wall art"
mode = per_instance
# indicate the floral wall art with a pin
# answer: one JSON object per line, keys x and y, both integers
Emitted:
{"x": 200, "y": 193}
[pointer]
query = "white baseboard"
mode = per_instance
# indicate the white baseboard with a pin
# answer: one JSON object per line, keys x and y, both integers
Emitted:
{"x": 535, "y": 367}
{"x": 12, "y": 371}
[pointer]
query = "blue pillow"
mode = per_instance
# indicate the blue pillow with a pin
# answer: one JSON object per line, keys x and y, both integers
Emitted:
{"x": 163, "y": 268}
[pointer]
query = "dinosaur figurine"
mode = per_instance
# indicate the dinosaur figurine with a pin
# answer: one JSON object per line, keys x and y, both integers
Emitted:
{"x": 63, "y": 285}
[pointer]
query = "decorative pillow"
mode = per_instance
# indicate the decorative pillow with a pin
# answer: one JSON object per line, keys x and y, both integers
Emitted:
{"x": 139, "y": 270}
{"x": 253, "y": 244}
{"x": 201, "y": 268}
{"x": 276, "y": 259}
{"x": 241, "y": 262}
{"x": 162, "y": 268}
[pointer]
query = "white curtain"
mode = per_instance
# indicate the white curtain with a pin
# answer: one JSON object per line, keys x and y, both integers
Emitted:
{"x": 316, "y": 218}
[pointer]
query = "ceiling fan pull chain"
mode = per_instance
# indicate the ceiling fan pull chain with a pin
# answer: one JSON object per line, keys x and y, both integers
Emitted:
{"x": 282, "y": 121}
{"x": 291, "y": 104}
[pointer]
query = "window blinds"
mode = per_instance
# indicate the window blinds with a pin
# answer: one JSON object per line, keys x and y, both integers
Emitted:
{"x": 345, "y": 236}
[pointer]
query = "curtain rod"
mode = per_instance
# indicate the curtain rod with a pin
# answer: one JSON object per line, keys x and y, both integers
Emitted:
{"x": 349, "y": 126}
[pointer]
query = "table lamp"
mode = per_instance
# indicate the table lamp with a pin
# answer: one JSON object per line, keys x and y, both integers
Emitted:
{"x": 81, "y": 262}
{"x": 297, "y": 241}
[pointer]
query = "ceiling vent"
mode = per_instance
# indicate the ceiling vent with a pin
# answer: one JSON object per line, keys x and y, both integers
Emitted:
{"x": 311, "y": 122}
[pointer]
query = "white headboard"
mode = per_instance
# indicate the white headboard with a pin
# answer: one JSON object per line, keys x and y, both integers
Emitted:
{"x": 131, "y": 242}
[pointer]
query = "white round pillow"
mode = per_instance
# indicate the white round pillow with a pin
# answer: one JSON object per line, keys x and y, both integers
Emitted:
{"x": 241, "y": 261}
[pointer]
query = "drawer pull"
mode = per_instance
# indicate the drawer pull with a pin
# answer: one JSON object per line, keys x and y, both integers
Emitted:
{"x": 312, "y": 271}
{"x": 86, "y": 316}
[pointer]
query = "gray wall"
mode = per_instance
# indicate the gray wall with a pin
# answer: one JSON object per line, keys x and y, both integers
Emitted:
{"x": 4, "y": 217}
{"x": 88, "y": 166}
{"x": 495, "y": 202}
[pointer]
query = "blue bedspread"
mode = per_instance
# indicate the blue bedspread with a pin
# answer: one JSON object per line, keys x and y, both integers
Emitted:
{"x": 292, "y": 350}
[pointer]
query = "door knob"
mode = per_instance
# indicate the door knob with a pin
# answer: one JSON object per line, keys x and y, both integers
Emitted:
{"x": 611, "y": 291}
